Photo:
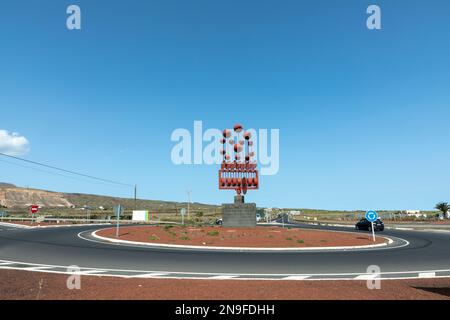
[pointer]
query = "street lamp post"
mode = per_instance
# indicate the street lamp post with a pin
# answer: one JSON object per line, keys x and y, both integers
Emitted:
{"x": 189, "y": 203}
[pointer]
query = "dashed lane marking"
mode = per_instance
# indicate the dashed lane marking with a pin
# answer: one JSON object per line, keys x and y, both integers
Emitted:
{"x": 36, "y": 268}
{"x": 223, "y": 277}
{"x": 296, "y": 278}
{"x": 87, "y": 272}
{"x": 12, "y": 265}
{"x": 150, "y": 275}
{"x": 427, "y": 274}
{"x": 367, "y": 276}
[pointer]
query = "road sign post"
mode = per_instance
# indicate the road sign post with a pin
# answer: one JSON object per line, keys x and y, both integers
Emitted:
{"x": 372, "y": 216}
{"x": 183, "y": 212}
{"x": 33, "y": 209}
{"x": 118, "y": 210}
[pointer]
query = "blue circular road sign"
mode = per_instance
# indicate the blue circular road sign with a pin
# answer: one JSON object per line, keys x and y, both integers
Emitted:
{"x": 371, "y": 216}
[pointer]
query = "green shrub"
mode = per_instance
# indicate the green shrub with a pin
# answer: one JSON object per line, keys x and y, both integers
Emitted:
{"x": 172, "y": 234}
{"x": 289, "y": 238}
{"x": 154, "y": 237}
{"x": 300, "y": 241}
{"x": 184, "y": 238}
{"x": 213, "y": 233}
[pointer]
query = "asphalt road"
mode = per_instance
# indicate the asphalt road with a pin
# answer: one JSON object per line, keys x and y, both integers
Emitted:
{"x": 427, "y": 251}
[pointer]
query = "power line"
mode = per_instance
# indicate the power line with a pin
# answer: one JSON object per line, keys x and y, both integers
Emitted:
{"x": 50, "y": 172}
{"x": 67, "y": 171}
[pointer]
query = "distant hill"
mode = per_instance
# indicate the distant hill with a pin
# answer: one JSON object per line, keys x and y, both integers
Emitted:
{"x": 6, "y": 185}
{"x": 20, "y": 198}
{"x": 14, "y": 197}
{"x": 96, "y": 201}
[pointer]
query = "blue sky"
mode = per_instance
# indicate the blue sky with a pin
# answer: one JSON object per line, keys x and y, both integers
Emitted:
{"x": 363, "y": 115}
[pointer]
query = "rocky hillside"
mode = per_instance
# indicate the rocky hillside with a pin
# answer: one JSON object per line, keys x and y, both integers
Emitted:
{"x": 17, "y": 198}
{"x": 13, "y": 197}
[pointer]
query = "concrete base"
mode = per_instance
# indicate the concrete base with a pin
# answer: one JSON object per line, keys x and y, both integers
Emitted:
{"x": 239, "y": 214}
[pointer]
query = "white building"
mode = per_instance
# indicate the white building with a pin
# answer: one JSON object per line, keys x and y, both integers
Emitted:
{"x": 413, "y": 213}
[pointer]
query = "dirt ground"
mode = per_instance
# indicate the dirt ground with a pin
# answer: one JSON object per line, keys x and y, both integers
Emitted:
{"x": 270, "y": 237}
{"x": 46, "y": 286}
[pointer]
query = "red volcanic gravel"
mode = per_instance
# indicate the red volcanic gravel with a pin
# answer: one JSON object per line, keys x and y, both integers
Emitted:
{"x": 264, "y": 237}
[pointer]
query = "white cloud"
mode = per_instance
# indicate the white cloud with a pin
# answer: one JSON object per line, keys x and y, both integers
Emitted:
{"x": 13, "y": 144}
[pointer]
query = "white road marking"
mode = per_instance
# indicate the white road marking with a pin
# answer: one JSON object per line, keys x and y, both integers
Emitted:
{"x": 222, "y": 277}
{"x": 261, "y": 275}
{"x": 35, "y": 268}
{"x": 150, "y": 275}
{"x": 427, "y": 274}
{"x": 200, "y": 276}
{"x": 367, "y": 276}
{"x": 87, "y": 272}
{"x": 295, "y": 278}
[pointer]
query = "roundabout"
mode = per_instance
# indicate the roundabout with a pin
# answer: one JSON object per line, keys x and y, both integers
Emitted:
{"x": 259, "y": 239}
{"x": 409, "y": 254}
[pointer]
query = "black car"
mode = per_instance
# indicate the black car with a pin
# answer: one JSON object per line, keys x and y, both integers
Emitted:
{"x": 219, "y": 222}
{"x": 364, "y": 224}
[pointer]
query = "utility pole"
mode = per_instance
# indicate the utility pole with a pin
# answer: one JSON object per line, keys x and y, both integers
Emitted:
{"x": 189, "y": 203}
{"x": 135, "y": 196}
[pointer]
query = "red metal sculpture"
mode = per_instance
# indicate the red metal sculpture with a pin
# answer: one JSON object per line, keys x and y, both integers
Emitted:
{"x": 238, "y": 173}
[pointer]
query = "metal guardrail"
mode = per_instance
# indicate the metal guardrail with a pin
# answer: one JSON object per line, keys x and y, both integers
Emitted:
{"x": 76, "y": 220}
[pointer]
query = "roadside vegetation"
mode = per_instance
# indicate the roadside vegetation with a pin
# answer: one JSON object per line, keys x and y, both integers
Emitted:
{"x": 443, "y": 207}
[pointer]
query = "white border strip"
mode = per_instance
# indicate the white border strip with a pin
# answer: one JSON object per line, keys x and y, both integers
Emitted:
{"x": 158, "y": 245}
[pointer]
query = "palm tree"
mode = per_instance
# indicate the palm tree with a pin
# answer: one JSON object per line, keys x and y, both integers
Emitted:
{"x": 444, "y": 207}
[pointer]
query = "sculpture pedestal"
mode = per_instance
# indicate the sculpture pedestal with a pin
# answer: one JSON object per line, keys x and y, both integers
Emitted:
{"x": 239, "y": 214}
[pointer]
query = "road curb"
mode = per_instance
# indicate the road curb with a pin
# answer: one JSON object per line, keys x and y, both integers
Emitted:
{"x": 238, "y": 249}
{"x": 18, "y": 226}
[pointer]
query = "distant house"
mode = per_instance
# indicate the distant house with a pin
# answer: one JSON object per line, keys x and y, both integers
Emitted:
{"x": 413, "y": 213}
